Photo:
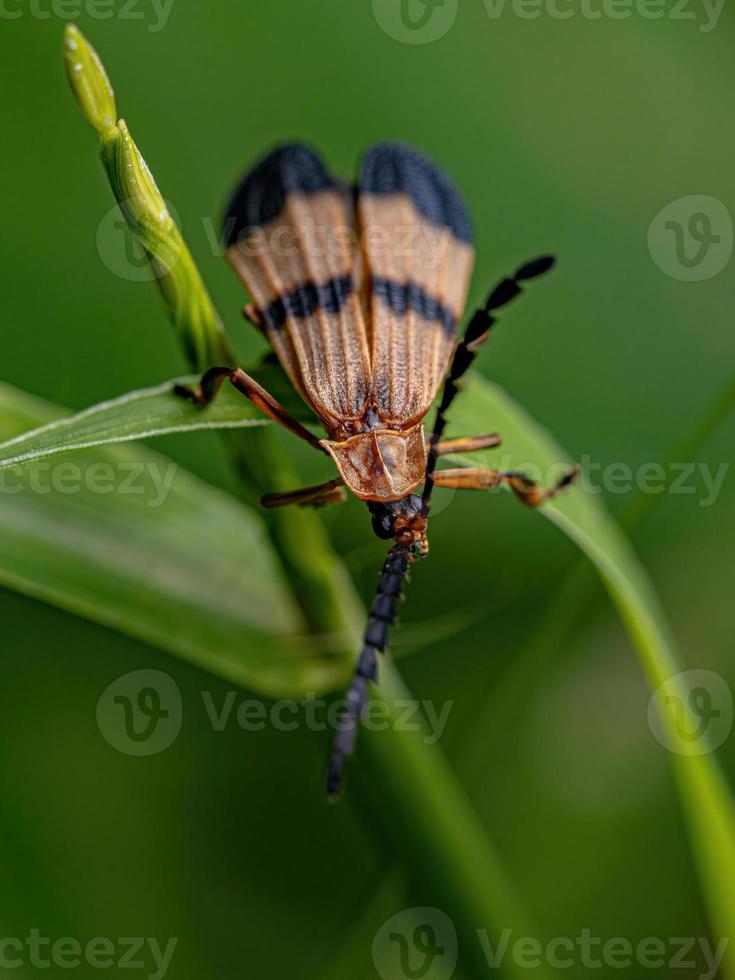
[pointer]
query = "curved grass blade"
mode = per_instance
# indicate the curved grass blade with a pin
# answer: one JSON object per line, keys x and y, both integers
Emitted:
{"x": 169, "y": 560}
{"x": 579, "y": 587}
{"x": 488, "y": 404}
{"x": 706, "y": 799}
{"x": 136, "y": 415}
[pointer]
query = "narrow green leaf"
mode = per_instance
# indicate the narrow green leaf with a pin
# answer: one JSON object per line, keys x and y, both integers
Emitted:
{"x": 127, "y": 538}
{"x": 707, "y": 801}
{"x": 138, "y": 414}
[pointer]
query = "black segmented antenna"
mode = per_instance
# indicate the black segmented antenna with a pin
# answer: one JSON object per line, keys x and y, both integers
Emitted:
{"x": 477, "y": 332}
{"x": 388, "y": 593}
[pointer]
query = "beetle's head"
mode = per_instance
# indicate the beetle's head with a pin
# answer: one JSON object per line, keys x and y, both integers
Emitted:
{"x": 404, "y": 520}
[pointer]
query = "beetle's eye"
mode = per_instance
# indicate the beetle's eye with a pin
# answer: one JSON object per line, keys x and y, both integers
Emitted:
{"x": 382, "y": 521}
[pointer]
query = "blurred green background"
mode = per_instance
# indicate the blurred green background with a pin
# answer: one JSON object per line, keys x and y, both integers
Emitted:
{"x": 564, "y": 135}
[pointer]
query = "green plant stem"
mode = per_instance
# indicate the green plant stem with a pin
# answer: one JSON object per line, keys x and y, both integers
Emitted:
{"x": 431, "y": 817}
{"x": 425, "y": 809}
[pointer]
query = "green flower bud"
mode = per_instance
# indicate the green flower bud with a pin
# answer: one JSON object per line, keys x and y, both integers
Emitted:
{"x": 146, "y": 214}
{"x": 89, "y": 81}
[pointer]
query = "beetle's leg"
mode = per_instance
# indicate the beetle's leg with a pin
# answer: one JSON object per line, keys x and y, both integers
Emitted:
{"x": 212, "y": 381}
{"x": 207, "y": 389}
{"x": 528, "y": 492}
{"x": 475, "y": 335}
{"x": 250, "y": 312}
{"x": 467, "y": 444}
{"x": 326, "y": 493}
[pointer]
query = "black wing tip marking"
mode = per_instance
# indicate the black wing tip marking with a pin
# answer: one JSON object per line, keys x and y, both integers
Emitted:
{"x": 393, "y": 168}
{"x": 537, "y": 267}
{"x": 261, "y": 195}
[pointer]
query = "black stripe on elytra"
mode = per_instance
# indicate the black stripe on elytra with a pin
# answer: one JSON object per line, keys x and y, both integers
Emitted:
{"x": 262, "y": 194}
{"x": 394, "y": 168}
{"x": 306, "y": 300}
{"x": 404, "y": 296}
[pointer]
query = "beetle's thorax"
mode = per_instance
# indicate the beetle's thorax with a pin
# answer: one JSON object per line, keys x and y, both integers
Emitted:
{"x": 377, "y": 462}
